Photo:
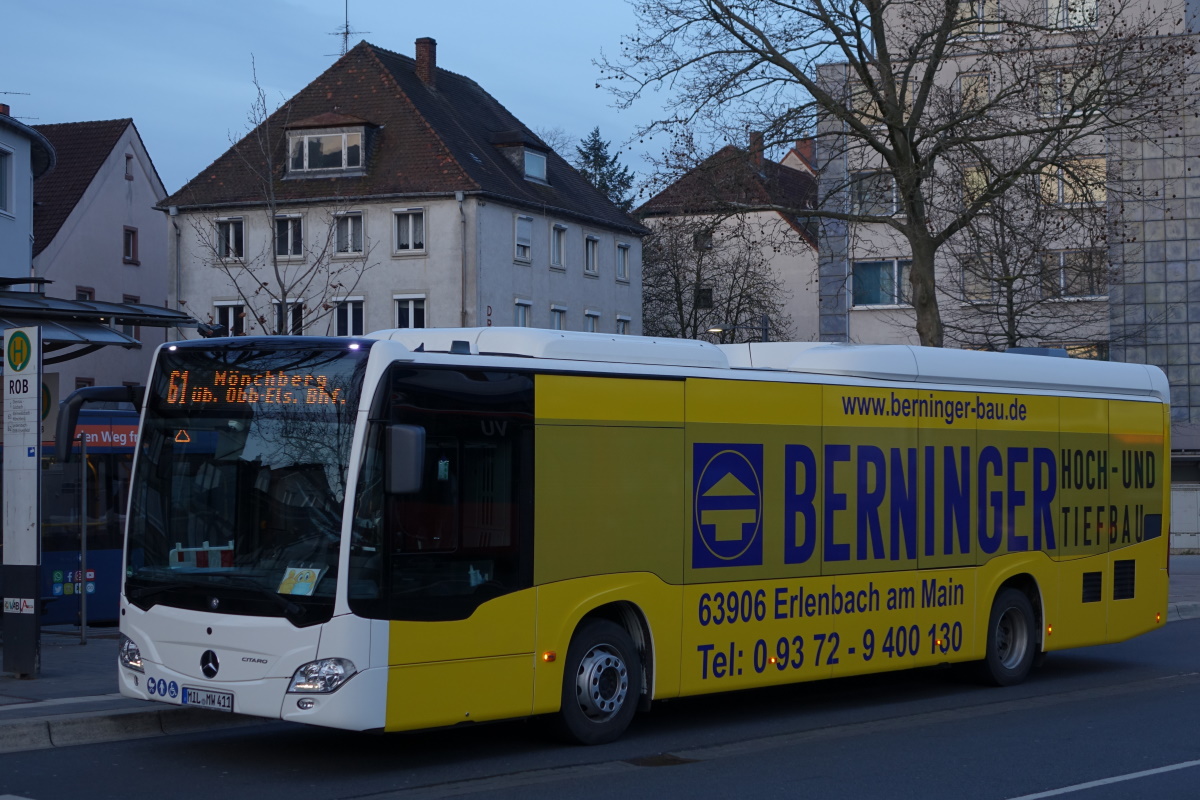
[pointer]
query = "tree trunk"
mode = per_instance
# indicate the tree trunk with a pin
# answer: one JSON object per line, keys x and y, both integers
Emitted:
{"x": 924, "y": 292}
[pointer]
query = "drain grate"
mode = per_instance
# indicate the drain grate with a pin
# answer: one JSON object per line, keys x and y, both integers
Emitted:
{"x": 660, "y": 760}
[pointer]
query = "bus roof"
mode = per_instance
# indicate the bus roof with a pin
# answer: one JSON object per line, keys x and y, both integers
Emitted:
{"x": 899, "y": 363}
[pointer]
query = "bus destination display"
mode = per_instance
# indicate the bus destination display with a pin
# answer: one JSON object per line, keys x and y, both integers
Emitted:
{"x": 236, "y": 387}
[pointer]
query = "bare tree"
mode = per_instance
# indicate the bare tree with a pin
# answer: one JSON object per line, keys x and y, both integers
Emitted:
{"x": 1025, "y": 272}
{"x": 314, "y": 253}
{"x": 714, "y": 270}
{"x": 556, "y": 138}
{"x": 905, "y": 96}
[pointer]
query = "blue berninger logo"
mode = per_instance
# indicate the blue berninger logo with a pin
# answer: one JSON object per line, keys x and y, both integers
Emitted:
{"x": 727, "y": 506}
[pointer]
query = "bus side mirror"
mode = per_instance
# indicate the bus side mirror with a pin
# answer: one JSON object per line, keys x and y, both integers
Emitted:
{"x": 405, "y": 458}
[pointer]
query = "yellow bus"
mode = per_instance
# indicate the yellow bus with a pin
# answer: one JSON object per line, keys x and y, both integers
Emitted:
{"x": 424, "y": 528}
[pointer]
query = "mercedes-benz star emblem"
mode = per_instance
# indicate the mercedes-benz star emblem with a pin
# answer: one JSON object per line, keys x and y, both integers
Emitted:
{"x": 209, "y": 664}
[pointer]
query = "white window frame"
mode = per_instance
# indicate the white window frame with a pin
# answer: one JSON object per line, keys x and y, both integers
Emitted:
{"x": 591, "y": 255}
{"x": 231, "y": 314}
{"x": 8, "y": 184}
{"x": 523, "y": 242}
{"x": 558, "y": 246}
{"x": 344, "y": 311}
{"x": 521, "y": 309}
{"x": 406, "y": 217}
{"x": 362, "y": 234}
{"x": 1072, "y": 14}
{"x": 1060, "y": 190}
{"x": 558, "y": 317}
{"x": 623, "y": 321}
{"x": 293, "y": 308}
{"x": 981, "y": 17}
{"x": 304, "y": 136}
{"x": 623, "y": 262}
{"x": 225, "y": 238}
{"x": 899, "y": 277}
{"x": 974, "y": 90}
{"x": 880, "y": 206}
{"x": 411, "y": 300}
{"x": 539, "y": 164}
{"x": 591, "y": 320}
{"x": 295, "y": 229}
{"x": 1059, "y": 268}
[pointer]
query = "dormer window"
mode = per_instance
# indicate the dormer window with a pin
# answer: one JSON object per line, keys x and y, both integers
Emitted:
{"x": 535, "y": 165}
{"x": 325, "y": 151}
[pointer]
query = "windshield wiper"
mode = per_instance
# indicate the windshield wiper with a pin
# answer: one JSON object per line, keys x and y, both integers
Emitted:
{"x": 289, "y": 608}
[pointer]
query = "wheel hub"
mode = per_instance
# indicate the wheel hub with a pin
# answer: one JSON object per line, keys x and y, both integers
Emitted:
{"x": 602, "y": 683}
{"x": 1012, "y": 638}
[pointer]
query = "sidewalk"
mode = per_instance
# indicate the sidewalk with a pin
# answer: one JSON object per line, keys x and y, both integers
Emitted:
{"x": 75, "y": 700}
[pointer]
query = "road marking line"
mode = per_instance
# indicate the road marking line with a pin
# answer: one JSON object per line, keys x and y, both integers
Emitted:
{"x": 1079, "y": 787}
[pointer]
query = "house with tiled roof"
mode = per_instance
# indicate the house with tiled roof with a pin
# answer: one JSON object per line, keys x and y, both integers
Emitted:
{"x": 390, "y": 192}
{"x": 733, "y": 249}
{"x": 98, "y": 236}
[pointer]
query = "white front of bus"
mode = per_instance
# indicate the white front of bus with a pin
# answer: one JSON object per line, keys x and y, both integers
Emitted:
{"x": 239, "y": 533}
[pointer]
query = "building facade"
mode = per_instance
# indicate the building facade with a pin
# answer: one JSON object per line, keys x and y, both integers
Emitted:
{"x": 98, "y": 236}
{"x": 25, "y": 155}
{"x": 732, "y": 246}
{"x": 393, "y": 193}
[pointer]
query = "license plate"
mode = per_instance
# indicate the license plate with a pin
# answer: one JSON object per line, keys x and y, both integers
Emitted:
{"x": 203, "y": 698}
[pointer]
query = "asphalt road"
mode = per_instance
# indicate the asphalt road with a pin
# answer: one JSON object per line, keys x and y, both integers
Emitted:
{"x": 1099, "y": 714}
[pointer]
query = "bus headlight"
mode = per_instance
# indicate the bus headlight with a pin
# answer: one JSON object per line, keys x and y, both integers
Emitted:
{"x": 129, "y": 654}
{"x": 321, "y": 677}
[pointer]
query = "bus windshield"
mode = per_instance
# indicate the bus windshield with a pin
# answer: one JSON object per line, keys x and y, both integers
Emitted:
{"x": 237, "y": 496}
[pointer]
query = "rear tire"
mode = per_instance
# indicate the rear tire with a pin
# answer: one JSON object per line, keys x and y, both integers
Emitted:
{"x": 602, "y": 681}
{"x": 1011, "y": 639}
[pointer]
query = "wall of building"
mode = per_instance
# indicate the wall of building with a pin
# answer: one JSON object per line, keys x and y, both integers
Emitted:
{"x": 88, "y": 252}
{"x": 16, "y": 228}
{"x": 507, "y": 279}
{"x": 436, "y": 274}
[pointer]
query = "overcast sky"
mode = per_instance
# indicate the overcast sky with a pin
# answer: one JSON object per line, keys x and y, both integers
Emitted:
{"x": 182, "y": 70}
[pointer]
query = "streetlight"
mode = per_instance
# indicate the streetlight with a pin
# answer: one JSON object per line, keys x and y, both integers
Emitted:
{"x": 763, "y": 328}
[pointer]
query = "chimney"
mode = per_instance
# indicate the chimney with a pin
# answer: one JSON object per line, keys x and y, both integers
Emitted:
{"x": 426, "y": 60}
{"x": 807, "y": 150}
{"x": 756, "y": 149}
{"x": 4, "y": 109}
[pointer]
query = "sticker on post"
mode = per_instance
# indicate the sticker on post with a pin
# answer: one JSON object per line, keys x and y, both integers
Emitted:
{"x": 18, "y": 605}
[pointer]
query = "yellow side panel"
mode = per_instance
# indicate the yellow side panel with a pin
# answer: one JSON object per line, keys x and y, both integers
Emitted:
{"x": 948, "y": 443}
{"x": 868, "y": 461}
{"x": 608, "y": 499}
{"x": 499, "y": 627}
{"x": 562, "y": 605}
{"x": 453, "y": 692}
{"x": 1085, "y": 477}
{"x": 1141, "y": 473}
{"x": 590, "y": 401}
{"x": 1147, "y": 608}
{"x": 755, "y": 484}
{"x": 745, "y": 634}
{"x": 1078, "y": 623}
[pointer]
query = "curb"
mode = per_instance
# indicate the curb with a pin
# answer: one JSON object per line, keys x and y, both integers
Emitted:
{"x": 1178, "y": 611}
{"x": 40, "y": 733}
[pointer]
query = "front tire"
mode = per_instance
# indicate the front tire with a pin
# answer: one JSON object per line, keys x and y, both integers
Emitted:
{"x": 1011, "y": 639}
{"x": 601, "y": 684}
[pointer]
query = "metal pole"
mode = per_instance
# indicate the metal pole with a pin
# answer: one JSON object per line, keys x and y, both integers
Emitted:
{"x": 766, "y": 328}
{"x": 83, "y": 510}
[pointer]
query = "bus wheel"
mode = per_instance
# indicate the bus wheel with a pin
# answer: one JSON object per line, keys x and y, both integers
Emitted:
{"x": 1011, "y": 639}
{"x": 601, "y": 684}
